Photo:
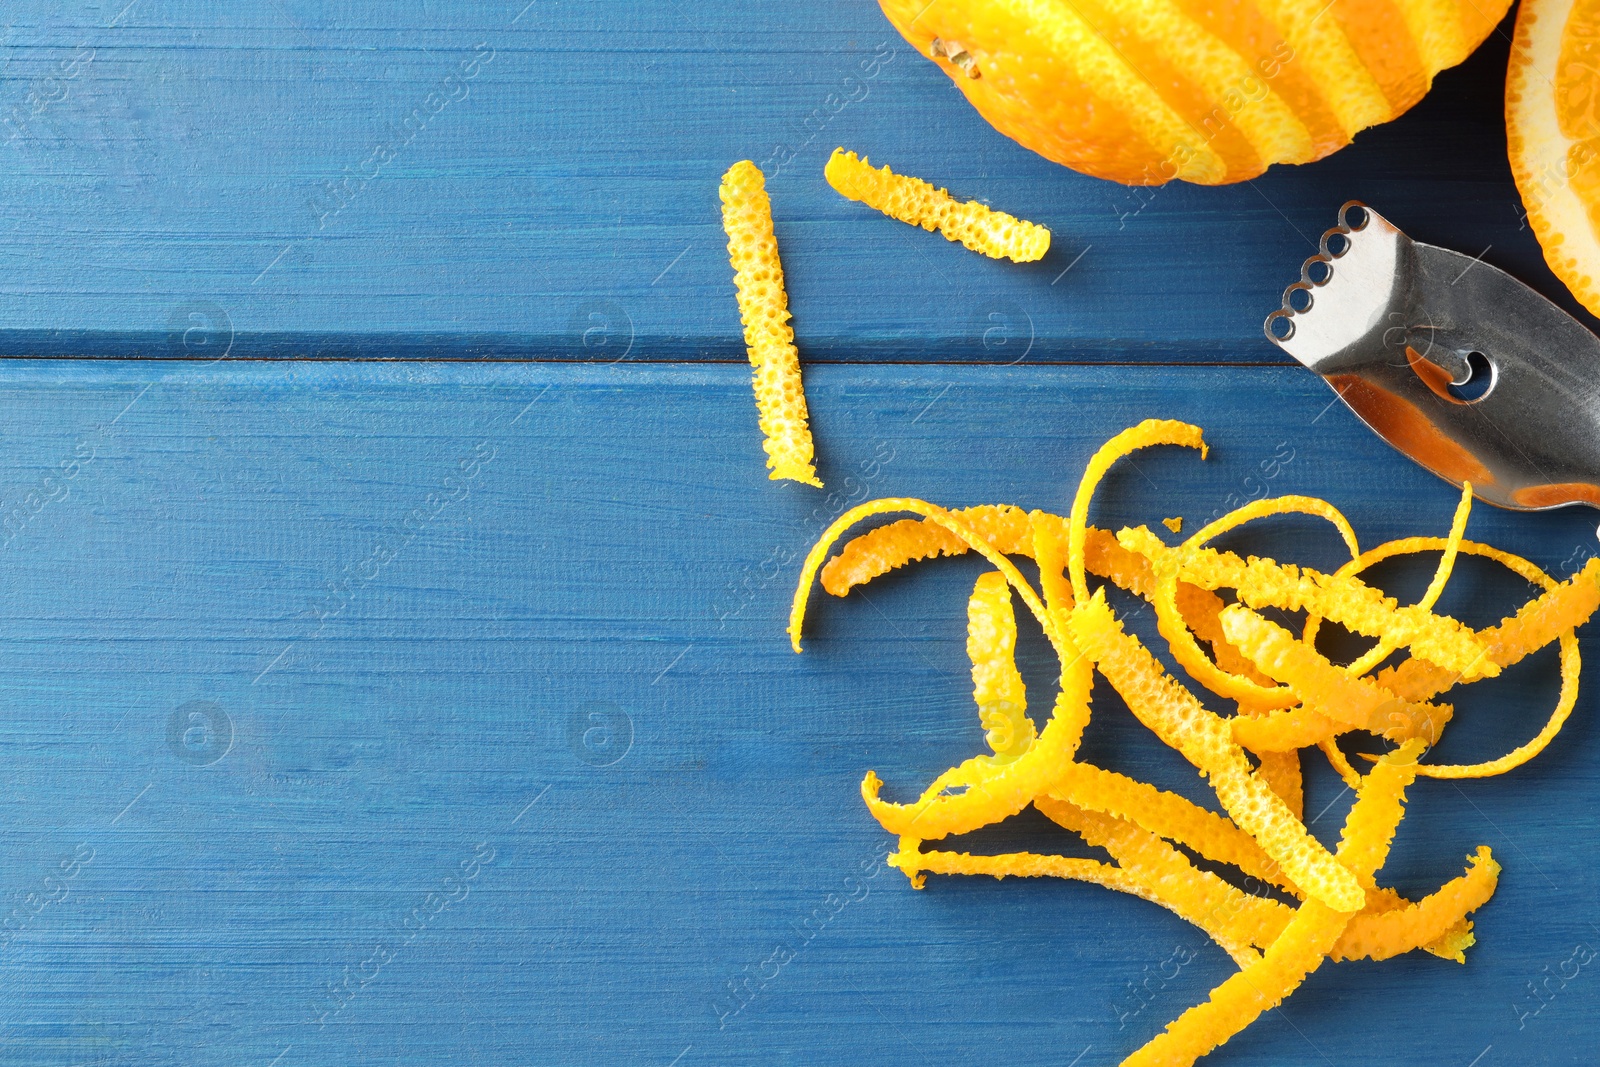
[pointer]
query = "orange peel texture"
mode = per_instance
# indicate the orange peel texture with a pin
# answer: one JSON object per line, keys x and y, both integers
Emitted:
{"x": 1290, "y": 696}
{"x": 911, "y": 200}
{"x": 764, "y": 311}
{"x": 1144, "y": 91}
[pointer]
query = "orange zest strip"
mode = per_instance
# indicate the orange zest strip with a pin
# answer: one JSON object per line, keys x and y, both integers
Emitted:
{"x": 1234, "y": 920}
{"x": 1147, "y": 433}
{"x": 1562, "y": 606}
{"x": 1383, "y": 935}
{"x": 1326, "y": 688}
{"x": 1285, "y": 730}
{"x": 1205, "y": 740}
{"x": 1571, "y": 666}
{"x": 1305, "y": 942}
{"x": 1447, "y": 561}
{"x": 1280, "y": 505}
{"x": 1171, "y": 816}
{"x": 995, "y": 789}
{"x": 912, "y": 200}
{"x": 955, "y": 525}
{"x": 1340, "y": 763}
{"x": 877, "y": 552}
{"x": 1281, "y": 772}
{"x": 1049, "y": 551}
{"x": 1262, "y": 583}
{"x": 764, "y": 310}
{"x": 1018, "y": 865}
{"x": 997, "y": 686}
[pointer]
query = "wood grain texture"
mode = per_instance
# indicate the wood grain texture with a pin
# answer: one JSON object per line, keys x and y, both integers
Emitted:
{"x": 427, "y": 596}
{"x": 183, "y": 180}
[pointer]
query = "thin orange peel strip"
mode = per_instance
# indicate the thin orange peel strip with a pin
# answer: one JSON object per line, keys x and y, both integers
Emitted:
{"x": 1384, "y": 935}
{"x": 912, "y": 200}
{"x": 1206, "y": 741}
{"x": 955, "y": 525}
{"x": 1447, "y": 561}
{"x": 1323, "y": 687}
{"x": 879, "y": 551}
{"x": 1305, "y": 942}
{"x": 1144, "y": 435}
{"x": 1261, "y": 583}
{"x": 997, "y": 685}
{"x": 1174, "y": 626}
{"x": 764, "y": 311}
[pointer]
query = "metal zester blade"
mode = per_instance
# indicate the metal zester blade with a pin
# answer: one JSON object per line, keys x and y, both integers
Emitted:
{"x": 1455, "y": 363}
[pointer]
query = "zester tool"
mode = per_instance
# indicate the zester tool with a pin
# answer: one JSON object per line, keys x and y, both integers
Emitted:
{"x": 1455, "y": 363}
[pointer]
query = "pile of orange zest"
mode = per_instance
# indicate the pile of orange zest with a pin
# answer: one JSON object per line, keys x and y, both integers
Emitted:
{"x": 1250, "y": 761}
{"x": 912, "y": 200}
{"x": 764, "y": 311}
{"x": 1308, "y": 938}
{"x": 1173, "y": 714}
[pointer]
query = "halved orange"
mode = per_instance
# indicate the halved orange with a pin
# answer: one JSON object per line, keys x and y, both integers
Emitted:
{"x": 1553, "y": 135}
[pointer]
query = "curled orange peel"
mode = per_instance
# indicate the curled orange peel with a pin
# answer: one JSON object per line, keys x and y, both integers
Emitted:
{"x": 997, "y": 685}
{"x": 1440, "y": 916}
{"x": 1205, "y": 740}
{"x": 939, "y": 516}
{"x": 877, "y": 552}
{"x": 1305, "y": 941}
{"x": 1262, "y": 583}
{"x": 1325, "y": 688}
{"x": 1146, "y": 434}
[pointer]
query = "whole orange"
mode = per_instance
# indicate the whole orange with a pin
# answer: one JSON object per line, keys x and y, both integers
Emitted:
{"x": 1210, "y": 91}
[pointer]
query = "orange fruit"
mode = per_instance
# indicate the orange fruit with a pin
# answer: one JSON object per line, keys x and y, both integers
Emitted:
{"x": 1553, "y": 135}
{"x": 1211, "y": 91}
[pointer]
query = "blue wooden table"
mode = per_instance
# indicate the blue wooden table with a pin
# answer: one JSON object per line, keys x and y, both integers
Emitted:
{"x": 393, "y": 668}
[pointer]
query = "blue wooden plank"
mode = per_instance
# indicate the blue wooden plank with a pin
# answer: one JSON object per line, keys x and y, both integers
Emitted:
{"x": 183, "y": 180}
{"x": 443, "y": 714}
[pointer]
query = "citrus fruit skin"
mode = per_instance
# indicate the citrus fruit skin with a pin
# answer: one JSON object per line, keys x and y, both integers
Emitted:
{"x": 1553, "y": 135}
{"x": 1210, "y": 91}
